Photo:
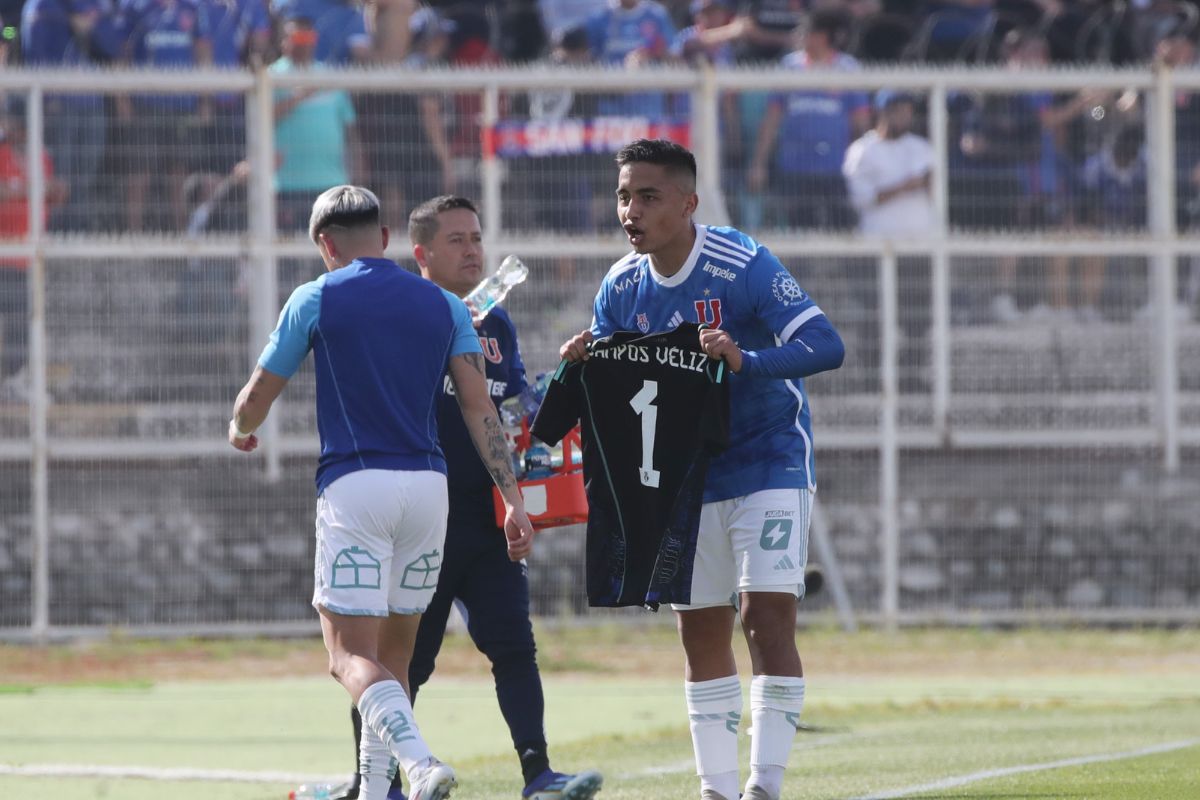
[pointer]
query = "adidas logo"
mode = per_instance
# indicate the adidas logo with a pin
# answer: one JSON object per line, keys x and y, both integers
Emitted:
{"x": 785, "y": 563}
{"x": 675, "y": 321}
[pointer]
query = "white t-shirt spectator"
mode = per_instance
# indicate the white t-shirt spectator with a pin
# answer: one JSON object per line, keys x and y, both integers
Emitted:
{"x": 874, "y": 164}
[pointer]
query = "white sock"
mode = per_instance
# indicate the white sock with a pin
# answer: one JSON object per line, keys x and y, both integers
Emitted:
{"x": 376, "y": 765}
{"x": 715, "y": 711}
{"x": 385, "y": 709}
{"x": 775, "y": 706}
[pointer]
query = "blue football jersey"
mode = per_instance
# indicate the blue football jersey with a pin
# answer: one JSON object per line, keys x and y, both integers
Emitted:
{"x": 732, "y": 282}
{"x": 381, "y": 338}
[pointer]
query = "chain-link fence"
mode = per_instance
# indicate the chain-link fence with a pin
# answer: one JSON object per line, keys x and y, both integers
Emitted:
{"x": 1007, "y": 255}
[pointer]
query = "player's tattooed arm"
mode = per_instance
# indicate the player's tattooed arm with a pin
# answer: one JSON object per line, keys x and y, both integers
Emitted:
{"x": 476, "y": 361}
{"x": 497, "y": 459}
{"x": 479, "y": 413}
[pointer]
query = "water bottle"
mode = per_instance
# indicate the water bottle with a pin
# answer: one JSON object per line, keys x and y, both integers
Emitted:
{"x": 539, "y": 461}
{"x": 576, "y": 458}
{"x": 312, "y": 791}
{"x": 494, "y": 288}
{"x": 533, "y": 394}
{"x": 512, "y": 412}
{"x": 523, "y": 407}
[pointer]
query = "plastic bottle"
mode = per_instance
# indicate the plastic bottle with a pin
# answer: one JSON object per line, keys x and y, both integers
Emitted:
{"x": 511, "y": 414}
{"x": 312, "y": 791}
{"x": 494, "y": 288}
{"x": 512, "y": 411}
{"x": 522, "y": 408}
{"x": 533, "y": 394}
{"x": 539, "y": 461}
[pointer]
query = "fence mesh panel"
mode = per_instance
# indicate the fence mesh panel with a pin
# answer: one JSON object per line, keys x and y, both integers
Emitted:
{"x": 1044, "y": 491}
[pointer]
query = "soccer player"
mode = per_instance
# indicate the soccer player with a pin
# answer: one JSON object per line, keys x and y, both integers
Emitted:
{"x": 494, "y": 591}
{"x": 753, "y": 537}
{"x": 383, "y": 340}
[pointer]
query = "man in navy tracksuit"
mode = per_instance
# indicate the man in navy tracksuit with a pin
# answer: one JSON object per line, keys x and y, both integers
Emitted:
{"x": 476, "y": 571}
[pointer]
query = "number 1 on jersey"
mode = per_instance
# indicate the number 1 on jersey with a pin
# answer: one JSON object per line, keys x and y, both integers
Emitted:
{"x": 643, "y": 406}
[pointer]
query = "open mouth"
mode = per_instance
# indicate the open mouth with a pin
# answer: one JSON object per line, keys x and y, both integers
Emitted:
{"x": 636, "y": 235}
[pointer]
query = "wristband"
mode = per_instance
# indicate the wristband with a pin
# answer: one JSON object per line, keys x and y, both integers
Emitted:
{"x": 237, "y": 432}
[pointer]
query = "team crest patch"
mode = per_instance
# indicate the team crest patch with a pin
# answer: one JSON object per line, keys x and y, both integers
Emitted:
{"x": 491, "y": 349}
{"x": 786, "y": 290}
{"x": 643, "y": 323}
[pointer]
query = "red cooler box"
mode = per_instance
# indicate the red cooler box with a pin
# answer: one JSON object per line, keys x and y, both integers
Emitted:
{"x": 554, "y": 500}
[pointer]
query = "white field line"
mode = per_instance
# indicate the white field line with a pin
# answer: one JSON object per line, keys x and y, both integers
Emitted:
{"x": 162, "y": 774}
{"x": 974, "y": 777}
{"x": 673, "y": 768}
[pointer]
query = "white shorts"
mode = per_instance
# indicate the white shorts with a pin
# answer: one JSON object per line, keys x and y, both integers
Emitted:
{"x": 380, "y": 538}
{"x": 755, "y": 543}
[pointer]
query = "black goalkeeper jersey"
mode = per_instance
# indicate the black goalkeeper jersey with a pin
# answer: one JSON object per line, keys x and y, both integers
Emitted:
{"x": 654, "y": 409}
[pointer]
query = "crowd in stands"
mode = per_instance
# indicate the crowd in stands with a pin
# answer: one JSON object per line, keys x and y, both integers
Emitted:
{"x": 799, "y": 159}
{"x": 1018, "y": 159}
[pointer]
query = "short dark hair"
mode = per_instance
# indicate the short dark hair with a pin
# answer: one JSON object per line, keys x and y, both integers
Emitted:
{"x": 423, "y": 221}
{"x": 573, "y": 40}
{"x": 833, "y": 22}
{"x": 675, "y": 157}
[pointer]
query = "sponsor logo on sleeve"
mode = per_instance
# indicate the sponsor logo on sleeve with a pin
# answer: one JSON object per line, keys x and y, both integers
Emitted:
{"x": 786, "y": 290}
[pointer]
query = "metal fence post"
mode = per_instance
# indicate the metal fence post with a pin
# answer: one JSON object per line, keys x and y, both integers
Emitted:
{"x": 492, "y": 189}
{"x": 1161, "y": 188}
{"x": 889, "y": 445}
{"x": 38, "y": 398}
{"x": 706, "y": 143}
{"x": 939, "y": 327}
{"x": 264, "y": 292}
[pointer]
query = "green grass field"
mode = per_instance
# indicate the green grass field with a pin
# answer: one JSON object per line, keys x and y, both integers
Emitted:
{"x": 887, "y": 714}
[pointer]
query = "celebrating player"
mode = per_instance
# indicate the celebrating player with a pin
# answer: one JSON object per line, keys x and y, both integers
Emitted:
{"x": 753, "y": 537}
{"x": 494, "y": 591}
{"x": 383, "y": 340}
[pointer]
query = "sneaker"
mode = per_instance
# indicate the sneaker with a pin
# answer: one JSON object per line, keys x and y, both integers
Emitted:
{"x": 557, "y": 786}
{"x": 711, "y": 794}
{"x": 756, "y": 793}
{"x": 434, "y": 782}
